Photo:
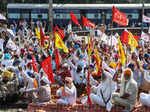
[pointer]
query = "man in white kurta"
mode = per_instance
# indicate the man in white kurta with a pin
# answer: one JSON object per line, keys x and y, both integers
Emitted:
{"x": 101, "y": 94}
{"x": 128, "y": 92}
{"x": 43, "y": 92}
{"x": 68, "y": 93}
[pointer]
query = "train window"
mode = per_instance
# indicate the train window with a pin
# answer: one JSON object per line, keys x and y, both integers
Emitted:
{"x": 25, "y": 15}
{"x": 64, "y": 16}
{"x": 90, "y": 16}
{"x": 34, "y": 16}
{"x": 96, "y": 15}
{"x": 14, "y": 15}
{"x": 44, "y": 16}
{"x": 57, "y": 16}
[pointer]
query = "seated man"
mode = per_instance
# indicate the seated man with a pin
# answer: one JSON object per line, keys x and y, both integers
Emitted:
{"x": 68, "y": 93}
{"x": 144, "y": 99}
{"x": 128, "y": 92}
{"x": 43, "y": 92}
{"x": 101, "y": 94}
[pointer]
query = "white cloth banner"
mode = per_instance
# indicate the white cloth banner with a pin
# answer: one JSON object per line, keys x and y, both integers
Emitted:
{"x": 145, "y": 37}
{"x": 146, "y": 19}
{"x": 10, "y": 44}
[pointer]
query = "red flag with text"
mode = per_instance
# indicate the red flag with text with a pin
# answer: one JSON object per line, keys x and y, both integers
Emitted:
{"x": 74, "y": 18}
{"x": 88, "y": 23}
{"x": 47, "y": 67}
{"x": 119, "y": 17}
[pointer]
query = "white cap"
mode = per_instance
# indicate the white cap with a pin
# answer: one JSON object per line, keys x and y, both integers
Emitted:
{"x": 65, "y": 65}
{"x": 45, "y": 79}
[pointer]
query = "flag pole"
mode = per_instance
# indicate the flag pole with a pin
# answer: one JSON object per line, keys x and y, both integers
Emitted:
{"x": 142, "y": 26}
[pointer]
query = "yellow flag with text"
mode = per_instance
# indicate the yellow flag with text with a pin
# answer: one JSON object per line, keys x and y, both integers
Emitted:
{"x": 60, "y": 44}
{"x": 132, "y": 41}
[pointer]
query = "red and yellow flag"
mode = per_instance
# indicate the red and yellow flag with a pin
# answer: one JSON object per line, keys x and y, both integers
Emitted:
{"x": 98, "y": 60}
{"x": 60, "y": 44}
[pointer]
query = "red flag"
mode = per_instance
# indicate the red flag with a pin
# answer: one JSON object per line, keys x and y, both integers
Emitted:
{"x": 88, "y": 89}
{"x": 124, "y": 37}
{"x": 60, "y": 32}
{"x": 88, "y": 23}
{"x": 57, "y": 59}
{"x": 47, "y": 67}
{"x": 136, "y": 37}
{"x": 42, "y": 36}
{"x": 34, "y": 65}
{"x": 74, "y": 18}
{"x": 119, "y": 17}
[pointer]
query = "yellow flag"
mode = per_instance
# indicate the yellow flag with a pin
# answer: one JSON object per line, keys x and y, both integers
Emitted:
{"x": 132, "y": 42}
{"x": 89, "y": 48}
{"x": 121, "y": 53}
{"x": 98, "y": 60}
{"x": 37, "y": 33}
{"x": 60, "y": 44}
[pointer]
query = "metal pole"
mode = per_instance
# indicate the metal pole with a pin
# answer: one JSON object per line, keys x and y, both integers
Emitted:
{"x": 142, "y": 26}
{"x": 50, "y": 16}
{"x": 50, "y": 22}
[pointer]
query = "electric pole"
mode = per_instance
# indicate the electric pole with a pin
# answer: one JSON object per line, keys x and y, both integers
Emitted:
{"x": 50, "y": 16}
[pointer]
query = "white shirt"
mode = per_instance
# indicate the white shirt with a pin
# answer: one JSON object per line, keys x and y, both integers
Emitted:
{"x": 77, "y": 77}
{"x": 71, "y": 99}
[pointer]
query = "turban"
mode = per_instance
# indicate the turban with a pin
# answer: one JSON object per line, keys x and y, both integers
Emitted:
{"x": 131, "y": 65}
{"x": 113, "y": 65}
{"x": 69, "y": 79}
{"x": 92, "y": 66}
{"x": 45, "y": 79}
{"x": 7, "y": 56}
{"x": 144, "y": 66}
{"x": 7, "y": 74}
{"x": 116, "y": 56}
{"x": 31, "y": 74}
{"x": 127, "y": 72}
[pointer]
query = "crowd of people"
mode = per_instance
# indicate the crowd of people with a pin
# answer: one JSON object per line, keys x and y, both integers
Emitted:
{"x": 77, "y": 77}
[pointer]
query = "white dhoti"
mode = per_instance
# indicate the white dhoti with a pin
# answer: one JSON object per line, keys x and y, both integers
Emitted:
{"x": 96, "y": 99}
{"x": 121, "y": 101}
{"x": 144, "y": 99}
